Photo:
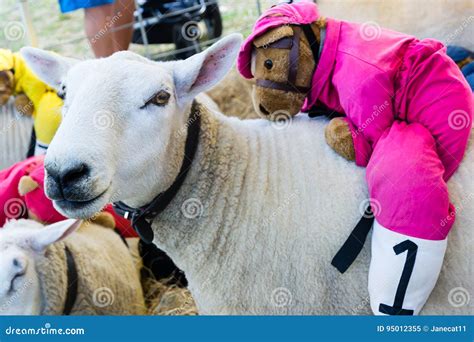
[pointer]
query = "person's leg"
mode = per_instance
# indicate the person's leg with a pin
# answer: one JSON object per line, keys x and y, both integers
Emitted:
{"x": 98, "y": 32}
{"x": 122, "y": 23}
{"x": 413, "y": 216}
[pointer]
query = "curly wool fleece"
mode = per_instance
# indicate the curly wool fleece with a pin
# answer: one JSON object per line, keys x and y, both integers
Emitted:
{"x": 108, "y": 275}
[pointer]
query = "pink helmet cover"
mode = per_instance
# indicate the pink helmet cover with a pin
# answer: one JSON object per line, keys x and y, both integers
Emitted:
{"x": 299, "y": 13}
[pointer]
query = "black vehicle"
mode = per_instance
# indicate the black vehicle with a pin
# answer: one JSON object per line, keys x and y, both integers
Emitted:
{"x": 184, "y": 23}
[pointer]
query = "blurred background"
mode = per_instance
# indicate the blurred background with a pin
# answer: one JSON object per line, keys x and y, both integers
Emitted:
{"x": 41, "y": 23}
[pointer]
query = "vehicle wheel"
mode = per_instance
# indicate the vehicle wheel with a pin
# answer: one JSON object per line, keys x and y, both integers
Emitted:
{"x": 213, "y": 19}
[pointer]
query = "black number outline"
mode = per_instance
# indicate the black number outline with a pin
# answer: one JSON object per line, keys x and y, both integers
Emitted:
{"x": 397, "y": 308}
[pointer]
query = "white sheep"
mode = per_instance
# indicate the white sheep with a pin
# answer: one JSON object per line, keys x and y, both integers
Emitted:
{"x": 51, "y": 271}
{"x": 264, "y": 207}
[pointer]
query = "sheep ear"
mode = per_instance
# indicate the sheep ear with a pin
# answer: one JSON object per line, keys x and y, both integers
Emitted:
{"x": 200, "y": 72}
{"x": 54, "y": 233}
{"x": 51, "y": 68}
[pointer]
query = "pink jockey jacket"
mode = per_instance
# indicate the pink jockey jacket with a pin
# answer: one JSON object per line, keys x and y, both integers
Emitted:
{"x": 378, "y": 78}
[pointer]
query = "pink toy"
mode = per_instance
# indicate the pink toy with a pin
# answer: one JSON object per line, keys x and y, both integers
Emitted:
{"x": 22, "y": 196}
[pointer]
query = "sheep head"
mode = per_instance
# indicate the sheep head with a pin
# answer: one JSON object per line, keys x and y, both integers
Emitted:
{"x": 22, "y": 243}
{"x": 121, "y": 138}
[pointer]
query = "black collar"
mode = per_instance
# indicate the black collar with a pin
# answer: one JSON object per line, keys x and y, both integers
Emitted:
{"x": 140, "y": 216}
{"x": 72, "y": 282}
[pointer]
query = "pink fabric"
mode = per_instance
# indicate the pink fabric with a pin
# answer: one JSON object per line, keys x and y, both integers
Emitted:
{"x": 283, "y": 14}
{"x": 377, "y": 78}
{"x": 15, "y": 206}
{"x": 406, "y": 185}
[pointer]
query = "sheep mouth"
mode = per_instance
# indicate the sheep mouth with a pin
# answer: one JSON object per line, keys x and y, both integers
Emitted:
{"x": 82, "y": 209}
{"x": 15, "y": 280}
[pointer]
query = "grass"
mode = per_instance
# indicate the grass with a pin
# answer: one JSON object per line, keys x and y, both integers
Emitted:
{"x": 64, "y": 33}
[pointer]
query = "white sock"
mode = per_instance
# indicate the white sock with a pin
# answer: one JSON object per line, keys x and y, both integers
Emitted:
{"x": 386, "y": 269}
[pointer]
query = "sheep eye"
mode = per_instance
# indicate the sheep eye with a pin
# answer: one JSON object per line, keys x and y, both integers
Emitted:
{"x": 162, "y": 97}
{"x": 268, "y": 64}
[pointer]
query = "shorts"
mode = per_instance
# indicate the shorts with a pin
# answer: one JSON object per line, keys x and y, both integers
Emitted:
{"x": 72, "y": 5}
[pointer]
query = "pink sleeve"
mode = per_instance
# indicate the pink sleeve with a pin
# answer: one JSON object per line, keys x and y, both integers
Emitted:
{"x": 362, "y": 148}
{"x": 365, "y": 96}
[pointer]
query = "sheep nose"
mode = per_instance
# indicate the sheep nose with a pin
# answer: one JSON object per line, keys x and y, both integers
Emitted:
{"x": 62, "y": 181}
{"x": 73, "y": 174}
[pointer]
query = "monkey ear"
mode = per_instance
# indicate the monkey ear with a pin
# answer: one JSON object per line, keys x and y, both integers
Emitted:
{"x": 26, "y": 185}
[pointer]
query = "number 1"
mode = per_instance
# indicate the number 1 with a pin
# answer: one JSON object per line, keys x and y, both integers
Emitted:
{"x": 397, "y": 308}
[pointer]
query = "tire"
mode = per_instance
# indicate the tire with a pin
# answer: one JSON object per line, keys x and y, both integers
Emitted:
{"x": 213, "y": 19}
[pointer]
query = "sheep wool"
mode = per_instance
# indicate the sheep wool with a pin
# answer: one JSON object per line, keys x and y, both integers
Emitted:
{"x": 108, "y": 282}
{"x": 241, "y": 257}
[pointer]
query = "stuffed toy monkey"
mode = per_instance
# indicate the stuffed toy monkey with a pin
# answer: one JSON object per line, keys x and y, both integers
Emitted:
{"x": 32, "y": 97}
{"x": 407, "y": 117}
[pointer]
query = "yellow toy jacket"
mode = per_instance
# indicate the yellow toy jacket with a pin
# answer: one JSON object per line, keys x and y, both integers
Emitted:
{"x": 47, "y": 105}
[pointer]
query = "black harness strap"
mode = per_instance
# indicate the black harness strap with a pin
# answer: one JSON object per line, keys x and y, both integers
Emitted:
{"x": 293, "y": 44}
{"x": 140, "y": 216}
{"x": 294, "y": 56}
{"x": 72, "y": 282}
{"x": 281, "y": 86}
{"x": 354, "y": 243}
{"x": 284, "y": 43}
{"x": 313, "y": 42}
